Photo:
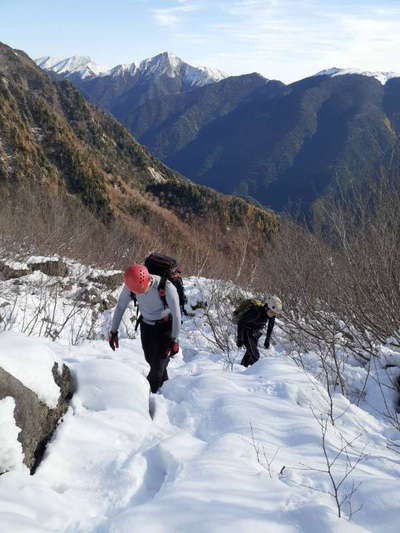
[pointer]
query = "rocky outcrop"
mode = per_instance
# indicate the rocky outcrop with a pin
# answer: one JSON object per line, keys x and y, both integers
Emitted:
{"x": 35, "y": 419}
{"x": 50, "y": 267}
{"x": 8, "y": 271}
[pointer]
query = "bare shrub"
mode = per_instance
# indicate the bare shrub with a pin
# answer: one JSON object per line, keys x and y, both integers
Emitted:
{"x": 221, "y": 298}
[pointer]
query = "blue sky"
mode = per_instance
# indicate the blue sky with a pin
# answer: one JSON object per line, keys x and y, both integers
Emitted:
{"x": 281, "y": 39}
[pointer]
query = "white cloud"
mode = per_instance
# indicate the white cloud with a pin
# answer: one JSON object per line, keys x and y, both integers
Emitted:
{"x": 172, "y": 16}
{"x": 285, "y": 39}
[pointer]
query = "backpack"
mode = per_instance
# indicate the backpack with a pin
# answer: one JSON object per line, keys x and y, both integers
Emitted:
{"x": 168, "y": 269}
{"x": 244, "y": 306}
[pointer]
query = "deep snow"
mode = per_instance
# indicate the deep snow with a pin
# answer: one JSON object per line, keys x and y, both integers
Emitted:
{"x": 226, "y": 449}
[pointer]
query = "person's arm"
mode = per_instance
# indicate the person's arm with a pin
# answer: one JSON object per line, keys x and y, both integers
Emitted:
{"x": 271, "y": 323}
{"x": 172, "y": 298}
{"x": 123, "y": 302}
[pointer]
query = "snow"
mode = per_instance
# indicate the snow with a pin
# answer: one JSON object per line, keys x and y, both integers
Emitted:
{"x": 121, "y": 70}
{"x": 31, "y": 360}
{"x": 382, "y": 77}
{"x": 48, "y": 62}
{"x": 33, "y": 260}
{"x": 10, "y": 449}
{"x": 157, "y": 176}
{"x": 82, "y": 65}
{"x": 227, "y": 449}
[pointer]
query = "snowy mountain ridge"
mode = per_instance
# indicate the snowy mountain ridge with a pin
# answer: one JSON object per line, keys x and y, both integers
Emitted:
{"x": 382, "y": 77}
{"x": 165, "y": 63}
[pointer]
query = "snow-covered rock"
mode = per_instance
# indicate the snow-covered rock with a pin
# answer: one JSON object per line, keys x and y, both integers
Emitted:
{"x": 40, "y": 386}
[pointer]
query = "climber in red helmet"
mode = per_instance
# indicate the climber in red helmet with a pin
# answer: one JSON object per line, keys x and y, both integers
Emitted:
{"x": 160, "y": 319}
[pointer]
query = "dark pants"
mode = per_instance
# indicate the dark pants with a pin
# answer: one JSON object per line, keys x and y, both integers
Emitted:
{"x": 156, "y": 343}
{"x": 250, "y": 340}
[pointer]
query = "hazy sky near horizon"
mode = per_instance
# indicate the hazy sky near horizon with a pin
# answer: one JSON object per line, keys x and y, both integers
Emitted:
{"x": 281, "y": 39}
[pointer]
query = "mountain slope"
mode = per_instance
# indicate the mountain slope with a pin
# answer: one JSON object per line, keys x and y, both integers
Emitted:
{"x": 294, "y": 147}
{"x": 170, "y": 124}
{"x": 51, "y": 136}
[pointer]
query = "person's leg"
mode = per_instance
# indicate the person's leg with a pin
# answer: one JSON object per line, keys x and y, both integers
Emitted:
{"x": 152, "y": 347}
{"x": 247, "y": 356}
{"x": 252, "y": 354}
{"x": 165, "y": 346}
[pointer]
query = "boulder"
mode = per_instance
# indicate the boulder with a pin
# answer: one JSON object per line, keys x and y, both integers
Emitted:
{"x": 35, "y": 419}
{"x": 8, "y": 271}
{"x": 50, "y": 267}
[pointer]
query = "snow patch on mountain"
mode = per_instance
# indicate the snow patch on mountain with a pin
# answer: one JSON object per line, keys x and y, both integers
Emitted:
{"x": 84, "y": 66}
{"x": 382, "y": 77}
{"x": 121, "y": 70}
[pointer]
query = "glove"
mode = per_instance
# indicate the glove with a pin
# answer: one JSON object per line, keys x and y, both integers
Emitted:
{"x": 266, "y": 343}
{"x": 239, "y": 343}
{"x": 113, "y": 340}
{"x": 174, "y": 347}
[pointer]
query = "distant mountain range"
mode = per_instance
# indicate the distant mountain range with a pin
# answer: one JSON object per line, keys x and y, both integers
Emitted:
{"x": 163, "y": 64}
{"x": 283, "y": 145}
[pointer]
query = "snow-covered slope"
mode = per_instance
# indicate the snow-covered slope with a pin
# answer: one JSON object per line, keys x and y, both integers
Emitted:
{"x": 383, "y": 77}
{"x": 84, "y": 66}
{"x": 163, "y": 64}
{"x": 220, "y": 449}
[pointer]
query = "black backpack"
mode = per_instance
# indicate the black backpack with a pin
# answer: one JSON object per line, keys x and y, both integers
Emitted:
{"x": 168, "y": 269}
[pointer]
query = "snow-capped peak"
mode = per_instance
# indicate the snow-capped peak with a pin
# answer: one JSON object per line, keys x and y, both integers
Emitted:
{"x": 171, "y": 65}
{"x": 47, "y": 62}
{"x": 382, "y": 77}
{"x": 82, "y": 65}
{"x": 161, "y": 63}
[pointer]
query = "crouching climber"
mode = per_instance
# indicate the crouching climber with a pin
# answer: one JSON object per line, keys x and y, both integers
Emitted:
{"x": 160, "y": 319}
{"x": 251, "y": 317}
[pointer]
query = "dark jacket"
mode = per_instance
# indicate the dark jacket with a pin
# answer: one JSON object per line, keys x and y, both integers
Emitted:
{"x": 254, "y": 320}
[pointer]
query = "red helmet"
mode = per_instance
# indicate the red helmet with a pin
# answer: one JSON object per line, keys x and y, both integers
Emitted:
{"x": 137, "y": 278}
